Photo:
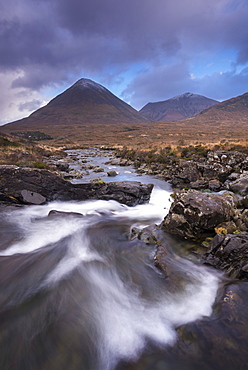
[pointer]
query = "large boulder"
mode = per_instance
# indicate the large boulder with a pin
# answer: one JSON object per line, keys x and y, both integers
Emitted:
{"x": 240, "y": 185}
{"x": 33, "y": 186}
{"x": 183, "y": 173}
{"x": 229, "y": 253}
{"x": 194, "y": 214}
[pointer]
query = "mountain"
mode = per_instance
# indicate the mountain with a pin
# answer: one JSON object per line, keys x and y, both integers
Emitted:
{"x": 85, "y": 102}
{"x": 177, "y": 108}
{"x": 233, "y": 111}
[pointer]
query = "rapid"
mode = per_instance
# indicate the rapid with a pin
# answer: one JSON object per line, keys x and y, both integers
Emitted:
{"x": 78, "y": 291}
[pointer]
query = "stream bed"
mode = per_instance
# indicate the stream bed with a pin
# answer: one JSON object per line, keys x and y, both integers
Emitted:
{"x": 78, "y": 292}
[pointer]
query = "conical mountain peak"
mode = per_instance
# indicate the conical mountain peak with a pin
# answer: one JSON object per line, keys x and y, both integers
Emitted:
{"x": 86, "y": 83}
{"x": 85, "y": 102}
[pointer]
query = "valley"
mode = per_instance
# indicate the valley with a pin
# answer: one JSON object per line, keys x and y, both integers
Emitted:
{"x": 87, "y": 114}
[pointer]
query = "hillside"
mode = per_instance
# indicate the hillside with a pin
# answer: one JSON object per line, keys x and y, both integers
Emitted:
{"x": 224, "y": 122}
{"x": 231, "y": 109}
{"x": 177, "y": 108}
{"x": 85, "y": 102}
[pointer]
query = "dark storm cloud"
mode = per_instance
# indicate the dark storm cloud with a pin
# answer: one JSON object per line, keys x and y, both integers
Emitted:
{"x": 49, "y": 42}
{"x": 77, "y": 31}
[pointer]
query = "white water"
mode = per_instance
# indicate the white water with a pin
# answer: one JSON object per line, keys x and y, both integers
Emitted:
{"x": 128, "y": 302}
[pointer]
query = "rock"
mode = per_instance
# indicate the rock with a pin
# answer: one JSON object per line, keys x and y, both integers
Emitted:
{"x": 199, "y": 184}
{"x": 62, "y": 166}
{"x": 214, "y": 185}
{"x": 55, "y": 213}
{"x": 18, "y": 183}
{"x": 97, "y": 180}
{"x": 228, "y": 227}
{"x": 112, "y": 173}
{"x": 113, "y": 162}
{"x": 30, "y": 197}
{"x": 230, "y": 158}
{"x": 146, "y": 235}
{"x": 229, "y": 253}
{"x": 76, "y": 174}
{"x": 212, "y": 171}
{"x": 194, "y": 214}
{"x": 127, "y": 192}
{"x": 98, "y": 169}
{"x": 184, "y": 173}
{"x": 245, "y": 201}
{"x": 240, "y": 185}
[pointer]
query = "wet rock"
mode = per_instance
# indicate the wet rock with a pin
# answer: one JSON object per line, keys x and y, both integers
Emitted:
{"x": 55, "y": 213}
{"x": 75, "y": 174}
{"x": 97, "y": 180}
{"x": 194, "y": 214}
{"x": 18, "y": 184}
{"x": 112, "y": 173}
{"x": 62, "y": 166}
{"x": 98, "y": 169}
{"x": 127, "y": 192}
{"x": 146, "y": 235}
{"x": 218, "y": 342}
{"x": 30, "y": 197}
{"x": 229, "y": 253}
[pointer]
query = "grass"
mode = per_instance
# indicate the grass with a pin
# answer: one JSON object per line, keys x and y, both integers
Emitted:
{"x": 143, "y": 135}
{"x": 20, "y": 152}
{"x": 162, "y": 142}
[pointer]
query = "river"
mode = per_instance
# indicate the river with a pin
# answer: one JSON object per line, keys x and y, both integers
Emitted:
{"x": 79, "y": 293}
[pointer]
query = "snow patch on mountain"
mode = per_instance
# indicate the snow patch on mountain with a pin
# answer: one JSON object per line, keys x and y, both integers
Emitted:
{"x": 86, "y": 83}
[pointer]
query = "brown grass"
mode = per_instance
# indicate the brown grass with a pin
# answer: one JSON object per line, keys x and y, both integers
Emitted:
{"x": 146, "y": 135}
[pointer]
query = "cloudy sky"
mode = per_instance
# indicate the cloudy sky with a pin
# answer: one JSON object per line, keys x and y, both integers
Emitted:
{"x": 141, "y": 50}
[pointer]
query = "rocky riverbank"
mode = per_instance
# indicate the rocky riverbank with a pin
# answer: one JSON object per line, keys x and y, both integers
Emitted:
{"x": 217, "y": 223}
{"x": 34, "y": 186}
{"x": 210, "y": 205}
{"x": 201, "y": 169}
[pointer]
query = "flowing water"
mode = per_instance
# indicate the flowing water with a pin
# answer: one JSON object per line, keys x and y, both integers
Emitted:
{"x": 78, "y": 292}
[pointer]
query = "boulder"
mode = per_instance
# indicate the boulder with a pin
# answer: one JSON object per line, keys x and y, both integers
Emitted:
{"x": 112, "y": 173}
{"x": 31, "y": 197}
{"x": 240, "y": 185}
{"x": 34, "y": 186}
{"x": 98, "y": 169}
{"x": 194, "y": 214}
{"x": 184, "y": 173}
{"x": 229, "y": 253}
{"x": 212, "y": 171}
{"x": 62, "y": 166}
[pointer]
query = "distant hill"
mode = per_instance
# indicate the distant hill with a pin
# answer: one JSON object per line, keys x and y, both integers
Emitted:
{"x": 85, "y": 102}
{"x": 177, "y": 108}
{"x": 232, "y": 111}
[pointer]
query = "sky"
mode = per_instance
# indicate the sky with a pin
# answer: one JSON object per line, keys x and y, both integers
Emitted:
{"x": 141, "y": 50}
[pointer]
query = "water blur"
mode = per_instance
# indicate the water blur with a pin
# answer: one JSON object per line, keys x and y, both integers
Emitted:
{"x": 78, "y": 292}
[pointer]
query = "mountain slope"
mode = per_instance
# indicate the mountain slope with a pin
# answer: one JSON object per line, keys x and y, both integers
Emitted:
{"x": 85, "y": 102}
{"x": 233, "y": 111}
{"x": 177, "y": 108}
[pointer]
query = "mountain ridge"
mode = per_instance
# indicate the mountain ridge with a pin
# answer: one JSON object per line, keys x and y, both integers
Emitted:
{"x": 84, "y": 102}
{"x": 176, "y": 108}
{"x": 88, "y": 114}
